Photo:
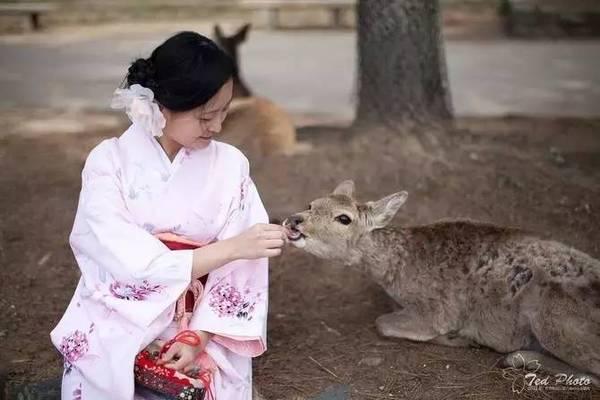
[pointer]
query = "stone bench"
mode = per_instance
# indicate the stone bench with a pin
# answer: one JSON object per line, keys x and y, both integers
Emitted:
{"x": 275, "y": 7}
{"x": 554, "y": 18}
{"x": 32, "y": 11}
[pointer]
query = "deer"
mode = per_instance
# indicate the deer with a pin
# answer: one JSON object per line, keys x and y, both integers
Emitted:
{"x": 465, "y": 283}
{"x": 254, "y": 123}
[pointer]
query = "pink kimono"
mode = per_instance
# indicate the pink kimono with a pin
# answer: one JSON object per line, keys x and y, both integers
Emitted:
{"x": 130, "y": 281}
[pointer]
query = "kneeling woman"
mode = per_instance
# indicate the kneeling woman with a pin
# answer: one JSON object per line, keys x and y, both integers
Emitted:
{"x": 171, "y": 238}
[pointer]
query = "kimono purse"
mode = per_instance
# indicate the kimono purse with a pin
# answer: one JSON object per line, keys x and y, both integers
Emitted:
{"x": 168, "y": 383}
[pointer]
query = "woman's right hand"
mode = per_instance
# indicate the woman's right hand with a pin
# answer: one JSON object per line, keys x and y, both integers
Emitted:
{"x": 259, "y": 241}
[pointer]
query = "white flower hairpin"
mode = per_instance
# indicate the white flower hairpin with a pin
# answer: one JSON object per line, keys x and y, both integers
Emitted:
{"x": 138, "y": 102}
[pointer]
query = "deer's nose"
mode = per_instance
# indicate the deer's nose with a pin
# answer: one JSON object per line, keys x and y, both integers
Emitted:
{"x": 295, "y": 220}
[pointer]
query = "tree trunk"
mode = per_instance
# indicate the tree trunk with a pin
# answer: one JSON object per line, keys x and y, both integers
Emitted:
{"x": 402, "y": 66}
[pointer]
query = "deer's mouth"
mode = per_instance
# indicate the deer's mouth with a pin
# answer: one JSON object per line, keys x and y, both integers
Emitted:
{"x": 294, "y": 235}
{"x": 296, "y": 238}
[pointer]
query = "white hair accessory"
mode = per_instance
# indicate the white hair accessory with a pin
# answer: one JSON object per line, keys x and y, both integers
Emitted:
{"x": 138, "y": 102}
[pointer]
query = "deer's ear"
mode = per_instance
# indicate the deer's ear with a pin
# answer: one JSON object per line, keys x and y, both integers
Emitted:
{"x": 381, "y": 212}
{"x": 346, "y": 188}
{"x": 241, "y": 35}
{"x": 218, "y": 32}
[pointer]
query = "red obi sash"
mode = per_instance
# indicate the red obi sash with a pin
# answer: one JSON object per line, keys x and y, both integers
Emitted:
{"x": 190, "y": 298}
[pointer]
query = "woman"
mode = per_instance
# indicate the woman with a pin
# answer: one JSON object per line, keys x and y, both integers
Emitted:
{"x": 161, "y": 182}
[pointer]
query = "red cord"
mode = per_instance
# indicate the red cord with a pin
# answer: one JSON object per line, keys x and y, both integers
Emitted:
{"x": 205, "y": 379}
{"x": 187, "y": 337}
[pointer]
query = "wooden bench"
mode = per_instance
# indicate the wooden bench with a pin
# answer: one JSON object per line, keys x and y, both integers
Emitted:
{"x": 530, "y": 18}
{"x": 30, "y": 10}
{"x": 274, "y": 8}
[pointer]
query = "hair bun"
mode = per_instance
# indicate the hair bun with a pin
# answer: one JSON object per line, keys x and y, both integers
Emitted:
{"x": 141, "y": 72}
{"x": 184, "y": 72}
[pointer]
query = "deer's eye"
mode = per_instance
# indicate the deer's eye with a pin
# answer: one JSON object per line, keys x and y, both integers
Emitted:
{"x": 309, "y": 207}
{"x": 343, "y": 219}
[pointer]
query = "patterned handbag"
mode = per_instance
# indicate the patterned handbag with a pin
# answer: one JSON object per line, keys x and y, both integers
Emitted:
{"x": 166, "y": 382}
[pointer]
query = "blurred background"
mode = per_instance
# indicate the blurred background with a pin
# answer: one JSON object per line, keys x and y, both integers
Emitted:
{"x": 519, "y": 145}
{"x": 495, "y": 67}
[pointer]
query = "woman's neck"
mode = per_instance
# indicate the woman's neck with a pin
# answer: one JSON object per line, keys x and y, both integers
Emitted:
{"x": 169, "y": 146}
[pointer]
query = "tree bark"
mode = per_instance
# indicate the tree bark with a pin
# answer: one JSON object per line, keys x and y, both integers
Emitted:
{"x": 402, "y": 66}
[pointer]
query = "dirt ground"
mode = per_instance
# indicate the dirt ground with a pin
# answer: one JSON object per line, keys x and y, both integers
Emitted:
{"x": 538, "y": 174}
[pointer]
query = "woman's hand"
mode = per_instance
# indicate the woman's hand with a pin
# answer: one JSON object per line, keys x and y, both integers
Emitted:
{"x": 261, "y": 240}
{"x": 180, "y": 356}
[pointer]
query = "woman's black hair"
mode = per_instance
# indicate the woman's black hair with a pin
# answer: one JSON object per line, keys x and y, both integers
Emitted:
{"x": 184, "y": 72}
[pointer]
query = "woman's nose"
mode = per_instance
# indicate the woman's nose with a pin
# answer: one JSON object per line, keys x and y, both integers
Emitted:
{"x": 215, "y": 125}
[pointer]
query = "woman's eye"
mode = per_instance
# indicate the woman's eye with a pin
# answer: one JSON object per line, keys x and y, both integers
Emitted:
{"x": 343, "y": 219}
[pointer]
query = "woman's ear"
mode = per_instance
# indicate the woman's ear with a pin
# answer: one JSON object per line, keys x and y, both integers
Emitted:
{"x": 168, "y": 114}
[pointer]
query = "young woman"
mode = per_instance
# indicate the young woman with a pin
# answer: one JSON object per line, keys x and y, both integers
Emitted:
{"x": 167, "y": 215}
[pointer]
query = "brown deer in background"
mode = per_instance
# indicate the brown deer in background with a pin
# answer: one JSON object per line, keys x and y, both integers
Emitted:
{"x": 255, "y": 124}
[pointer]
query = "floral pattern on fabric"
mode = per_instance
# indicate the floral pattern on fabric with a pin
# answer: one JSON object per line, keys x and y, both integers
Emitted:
{"x": 73, "y": 347}
{"x": 68, "y": 367}
{"x": 77, "y": 393}
{"x": 132, "y": 291}
{"x": 227, "y": 301}
{"x": 245, "y": 187}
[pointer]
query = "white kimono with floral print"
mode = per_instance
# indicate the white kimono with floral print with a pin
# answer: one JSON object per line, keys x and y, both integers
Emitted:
{"x": 130, "y": 281}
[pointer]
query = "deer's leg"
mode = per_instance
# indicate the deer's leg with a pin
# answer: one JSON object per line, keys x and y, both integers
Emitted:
{"x": 400, "y": 324}
{"x": 452, "y": 340}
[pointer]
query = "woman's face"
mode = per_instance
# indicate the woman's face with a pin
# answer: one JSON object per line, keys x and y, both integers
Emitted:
{"x": 194, "y": 129}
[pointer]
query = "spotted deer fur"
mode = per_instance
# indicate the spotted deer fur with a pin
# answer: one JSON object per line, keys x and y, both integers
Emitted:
{"x": 461, "y": 283}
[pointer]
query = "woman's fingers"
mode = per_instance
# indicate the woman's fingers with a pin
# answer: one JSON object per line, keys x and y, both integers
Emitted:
{"x": 273, "y": 227}
{"x": 272, "y": 235}
{"x": 274, "y": 243}
{"x": 169, "y": 355}
{"x": 272, "y": 252}
{"x": 275, "y": 230}
{"x": 191, "y": 369}
{"x": 262, "y": 240}
{"x": 180, "y": 364}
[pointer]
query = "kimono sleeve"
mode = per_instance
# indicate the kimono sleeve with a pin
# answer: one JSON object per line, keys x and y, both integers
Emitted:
{"x": 234, "y": 306}
{"x": 123, "y": 266}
